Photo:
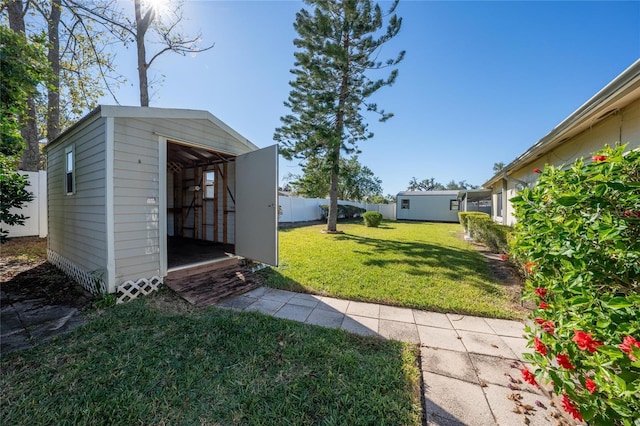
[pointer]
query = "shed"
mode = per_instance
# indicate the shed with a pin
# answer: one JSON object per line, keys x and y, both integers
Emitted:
{"x": 130, "y": 187}
{"x": 432, "y": 206}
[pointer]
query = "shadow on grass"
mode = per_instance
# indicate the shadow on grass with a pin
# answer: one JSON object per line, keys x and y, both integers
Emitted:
{"x": 274, "y": 279}
{"x": 416, "y": 257}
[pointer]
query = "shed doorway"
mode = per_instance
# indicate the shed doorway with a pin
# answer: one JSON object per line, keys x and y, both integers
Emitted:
{"x": 200, "y": 205}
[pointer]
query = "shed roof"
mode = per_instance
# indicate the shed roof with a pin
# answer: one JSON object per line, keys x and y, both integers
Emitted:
{"x": 475, "y": 194}
{"x": 620, "y": 92}
{"x": 157, "y": 113}
{"x": 426, "y": 193}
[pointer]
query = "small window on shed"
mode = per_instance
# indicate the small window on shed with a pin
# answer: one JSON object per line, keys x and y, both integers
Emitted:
{"x": 454, "y": 204}
{"x": 69, "y": 170}
{"x": 404, "y": 204}
{"x": 209, "y": 183}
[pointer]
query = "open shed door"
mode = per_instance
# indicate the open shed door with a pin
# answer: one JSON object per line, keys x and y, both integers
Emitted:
{"x": 256, "y": 205}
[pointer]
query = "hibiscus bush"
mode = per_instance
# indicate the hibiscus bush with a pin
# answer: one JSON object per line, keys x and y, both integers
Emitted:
{"x": 578, "y": 235}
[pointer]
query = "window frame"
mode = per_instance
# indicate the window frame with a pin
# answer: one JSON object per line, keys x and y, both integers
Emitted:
{"x": 206, "y": 187}
{"x": 457, "y": 205}
{"x": 405, "y": 204}
{"x": 70, "y": 170}
{"x": 499, "y": 206}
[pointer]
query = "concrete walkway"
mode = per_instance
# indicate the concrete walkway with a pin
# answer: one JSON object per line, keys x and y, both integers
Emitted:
{"x": 470, "y": 365}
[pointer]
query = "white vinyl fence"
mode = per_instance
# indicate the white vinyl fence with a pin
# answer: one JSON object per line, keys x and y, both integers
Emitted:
{"x": 36, "y": 210}
{"x": 295, "y": 209}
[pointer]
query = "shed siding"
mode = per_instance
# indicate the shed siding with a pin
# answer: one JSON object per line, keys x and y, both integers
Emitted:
{"x": 623, "y": 126}
{"x": 136, "y": 200}
{"x": 427, "y": 207}
{"x": 137, "y": 188}
{"x": 77, "y": 222}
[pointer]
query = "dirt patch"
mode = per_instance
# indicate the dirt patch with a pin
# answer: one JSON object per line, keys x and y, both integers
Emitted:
{"x": 25, "y": 274}
{"x": 504, "y": 273}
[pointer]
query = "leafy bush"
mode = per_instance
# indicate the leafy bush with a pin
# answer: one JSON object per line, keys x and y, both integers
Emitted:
{"x": 13, "y": 194}
{"x": 578, "y": 233}
{"x": 464, "y": 218}
{"x": 483, "y": 229}
{"x": 372, "y": 219}
{"x": 344, "y": 211}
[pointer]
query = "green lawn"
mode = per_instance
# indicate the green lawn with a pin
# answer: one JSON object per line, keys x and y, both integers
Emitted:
{"x": 413, "y": 264}
{"x": 147, "y": 363}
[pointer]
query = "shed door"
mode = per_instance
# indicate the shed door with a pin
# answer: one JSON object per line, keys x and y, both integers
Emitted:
{"x": 256, "y": 209}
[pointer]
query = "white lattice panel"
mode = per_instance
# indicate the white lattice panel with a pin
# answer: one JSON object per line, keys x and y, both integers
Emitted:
{"x": 90, "y": 281}
{"x": 130, "y": 290}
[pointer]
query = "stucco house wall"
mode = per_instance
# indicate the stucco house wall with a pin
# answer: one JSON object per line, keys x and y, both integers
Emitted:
{"x": 610, "y": 116}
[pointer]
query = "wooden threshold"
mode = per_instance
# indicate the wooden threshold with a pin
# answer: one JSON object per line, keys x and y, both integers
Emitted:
{"x": 211, "y": 286}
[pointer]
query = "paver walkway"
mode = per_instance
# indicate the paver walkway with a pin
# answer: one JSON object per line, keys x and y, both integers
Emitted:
{"x": 470, "y": 365}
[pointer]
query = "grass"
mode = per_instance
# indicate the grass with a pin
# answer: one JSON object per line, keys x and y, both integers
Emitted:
{"x": 412, "y": 264}
{"x": 24, "y": 249}
{"x": 144, "y": 363}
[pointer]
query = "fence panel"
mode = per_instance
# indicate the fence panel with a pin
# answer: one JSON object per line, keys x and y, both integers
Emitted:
{"x": 295, "y": 209}
{"x": 36, "y": 210}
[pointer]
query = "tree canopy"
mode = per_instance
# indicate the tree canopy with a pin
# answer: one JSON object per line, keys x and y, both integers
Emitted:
{"x": 338, "y": 46}
{"x": 24, "y": 67}
{"x": 431, "y": 185}
{"x": 356, "y": 182}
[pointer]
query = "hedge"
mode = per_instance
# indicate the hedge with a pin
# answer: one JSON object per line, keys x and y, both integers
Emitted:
{"x": 372, "y": 219}
{"x": 578, "y": 234}
{"x": 345, "y": 211}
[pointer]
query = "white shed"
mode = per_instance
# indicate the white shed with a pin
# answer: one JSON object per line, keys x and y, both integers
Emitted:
{"x": 432, "y": 206}
{"x": 130, "y": 187}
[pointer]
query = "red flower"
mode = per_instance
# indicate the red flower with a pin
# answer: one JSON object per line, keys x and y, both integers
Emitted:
{"x": 585, "y": 341}
{"x": 548, "y": 326}
{"x": 537, "y": 170}
{"x": 504, "y": 256}
{"x": 543, "y": 305}
{"x": 529, "y": 266}
{"x": 563, "y": 361}
{"x": 591, "y": 385}
{"x": 538, "y": 320}
{"x": 539, "y": 346}
{"x": 630, "y": 213}
{"x": 598, "y": 158}
{"x": 570, "y": 408}
{"x": 541, "y": 292}
{"x": 626, "y": 345}
{"x": 529, "y": 377}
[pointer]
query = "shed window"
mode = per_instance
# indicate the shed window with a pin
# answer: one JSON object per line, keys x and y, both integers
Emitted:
{"x": 209, "y": 184}
{"x": 69, "y": 170}
{"x": 454, "y": 204}
{"x": 404, "y": 204}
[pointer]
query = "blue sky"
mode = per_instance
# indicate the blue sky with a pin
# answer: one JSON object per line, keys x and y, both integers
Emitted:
{"x": 481, "y": 81}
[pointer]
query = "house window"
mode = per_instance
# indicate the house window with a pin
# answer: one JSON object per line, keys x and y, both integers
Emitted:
{"x": 209, "y": 184}
{"x": 69, "y": 170}
{"x": 499, "y": 204}
{"x": 454, "y": 204}
{"x": 404, "y": 204}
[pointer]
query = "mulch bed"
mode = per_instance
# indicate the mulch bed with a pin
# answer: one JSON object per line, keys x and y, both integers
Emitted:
{"x": 31, "y": 277}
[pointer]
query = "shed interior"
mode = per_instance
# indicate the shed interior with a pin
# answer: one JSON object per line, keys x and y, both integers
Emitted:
{"x": 200, "y": 205}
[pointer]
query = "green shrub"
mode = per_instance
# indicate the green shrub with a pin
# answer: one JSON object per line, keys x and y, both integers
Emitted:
{"x": 372, "y": 219}
{"x": 464, "y": 218}
{"x": 344, "y": 211}
{"x": 578, "y": 233}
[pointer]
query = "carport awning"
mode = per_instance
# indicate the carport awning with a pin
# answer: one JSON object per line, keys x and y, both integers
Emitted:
{"x": 473, "y": 195}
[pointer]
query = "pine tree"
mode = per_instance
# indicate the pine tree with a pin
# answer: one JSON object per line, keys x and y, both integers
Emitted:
{"x": 338, "y": 46}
